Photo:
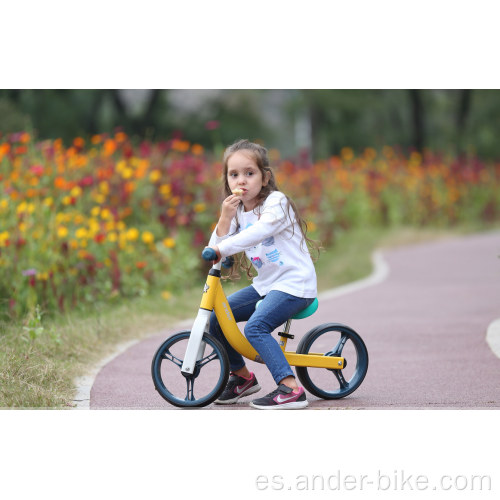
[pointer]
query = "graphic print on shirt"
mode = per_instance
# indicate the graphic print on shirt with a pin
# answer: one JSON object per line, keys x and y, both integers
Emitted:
{"x": 268, "y": 242}
{"x": 274, "y": 257}
{"x": 256, "y": 262}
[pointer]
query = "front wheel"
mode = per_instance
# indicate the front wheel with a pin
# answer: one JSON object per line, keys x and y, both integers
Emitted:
{"x": 333, "y": 339}
{"x": 190, "y": 390}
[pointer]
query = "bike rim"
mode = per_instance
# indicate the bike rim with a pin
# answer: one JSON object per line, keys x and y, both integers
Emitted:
{"x": 183, "y": 390}
{"x": 342, "y": 382}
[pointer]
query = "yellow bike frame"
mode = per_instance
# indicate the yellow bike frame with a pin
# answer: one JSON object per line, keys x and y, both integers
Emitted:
{"x": 214, "y": 298}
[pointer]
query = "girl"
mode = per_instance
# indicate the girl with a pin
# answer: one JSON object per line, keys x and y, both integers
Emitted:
{"x": 264, "y": 224}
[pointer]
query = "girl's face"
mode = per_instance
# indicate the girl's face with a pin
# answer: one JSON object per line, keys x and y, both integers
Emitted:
{"x": 243, "y": 173}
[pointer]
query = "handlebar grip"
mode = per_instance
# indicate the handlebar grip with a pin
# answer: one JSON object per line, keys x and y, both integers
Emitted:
{"x": 209, "y": 254}
{"x": 227, "y": 262}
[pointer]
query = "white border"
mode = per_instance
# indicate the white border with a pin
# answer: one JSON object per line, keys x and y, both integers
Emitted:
{"x": 84, "y": 384}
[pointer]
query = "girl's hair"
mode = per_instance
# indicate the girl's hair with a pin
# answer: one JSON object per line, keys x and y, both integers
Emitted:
{"x": 259, "y": 154}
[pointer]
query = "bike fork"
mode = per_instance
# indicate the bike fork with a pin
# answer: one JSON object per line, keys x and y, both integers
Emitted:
{"x": 196, "y": 347}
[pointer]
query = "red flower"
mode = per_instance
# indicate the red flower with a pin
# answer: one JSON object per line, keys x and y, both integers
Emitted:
{"x": 212, "y": 125}
{"x": 37, "y": 169}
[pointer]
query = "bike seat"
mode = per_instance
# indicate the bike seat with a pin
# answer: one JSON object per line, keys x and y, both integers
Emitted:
{"x": 305, "y": 313}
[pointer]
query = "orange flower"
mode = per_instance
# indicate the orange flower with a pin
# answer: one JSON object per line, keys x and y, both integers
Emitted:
{"x": 141, "y": 265}
{"x": 60, "y": 183}
{"x": 25, "y": 138}
{"x": 109, "y": 147}
{"x": 197, "y": 149}
{"x": 4, "y": 148}
{"x": 78, "y": 142}
{"x": 120, "y": 137}
{"x": 96, "y": 139}
{"x": 20, "y": 150}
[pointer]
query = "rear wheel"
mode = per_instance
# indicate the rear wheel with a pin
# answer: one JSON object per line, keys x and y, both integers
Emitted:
{"x": 335, "y": 340}
{"x": 190, "y": 391}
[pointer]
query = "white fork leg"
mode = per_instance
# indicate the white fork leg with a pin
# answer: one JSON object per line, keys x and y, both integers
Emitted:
{"x": 195, "y": 348}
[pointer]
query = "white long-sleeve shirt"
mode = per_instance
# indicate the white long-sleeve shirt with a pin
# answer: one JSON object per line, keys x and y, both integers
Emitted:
{"x": 271, "y": 239}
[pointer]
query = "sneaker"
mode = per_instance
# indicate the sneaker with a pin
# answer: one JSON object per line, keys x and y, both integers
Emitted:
{"x": 282, "y": 398}
{"x": 238, "y": 387}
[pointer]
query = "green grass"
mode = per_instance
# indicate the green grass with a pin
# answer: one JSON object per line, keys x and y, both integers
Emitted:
{"x": 42, "y": 373}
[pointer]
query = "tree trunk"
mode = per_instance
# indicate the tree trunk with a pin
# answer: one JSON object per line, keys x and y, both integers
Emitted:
{"x": 464, "y": 106}
{"x": 418, "y": 119}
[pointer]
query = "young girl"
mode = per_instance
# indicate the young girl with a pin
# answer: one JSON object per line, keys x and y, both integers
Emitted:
{"x": 264, "y": 224}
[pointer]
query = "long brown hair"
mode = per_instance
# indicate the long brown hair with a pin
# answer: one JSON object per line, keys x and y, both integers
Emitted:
{"x": 259, "y": 154}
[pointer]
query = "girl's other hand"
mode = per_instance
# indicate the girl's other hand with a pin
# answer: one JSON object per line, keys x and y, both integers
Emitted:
{"x": 218, "y": 255}
{"x": 230, "y": 206}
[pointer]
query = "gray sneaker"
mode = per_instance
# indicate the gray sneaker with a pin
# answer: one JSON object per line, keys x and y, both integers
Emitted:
{"x": 282, "y": 398}
{"x": 238, "y": 387}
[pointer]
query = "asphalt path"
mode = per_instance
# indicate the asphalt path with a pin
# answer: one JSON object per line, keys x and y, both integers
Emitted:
{"x": 424, "y": 328}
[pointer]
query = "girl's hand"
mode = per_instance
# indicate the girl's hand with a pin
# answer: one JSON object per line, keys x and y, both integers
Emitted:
{"x": 218, "y": 255}
{"x": 230, "y": 206}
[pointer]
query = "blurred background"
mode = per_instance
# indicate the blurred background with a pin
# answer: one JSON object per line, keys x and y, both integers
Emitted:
{"x": 320, "y": 121}
{"x": 113, "y": 193}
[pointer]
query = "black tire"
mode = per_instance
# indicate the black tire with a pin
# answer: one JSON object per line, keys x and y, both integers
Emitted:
{"x": 356, "y": 355}
{"x": 166, "y": 371}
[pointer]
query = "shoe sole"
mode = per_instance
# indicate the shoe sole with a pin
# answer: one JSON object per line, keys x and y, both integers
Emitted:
{"x": 248, "y": 392}
{"x": 297, "y": 405}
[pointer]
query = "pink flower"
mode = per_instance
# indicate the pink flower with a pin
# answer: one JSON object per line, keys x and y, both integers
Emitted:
{"x": 212, "y": 125}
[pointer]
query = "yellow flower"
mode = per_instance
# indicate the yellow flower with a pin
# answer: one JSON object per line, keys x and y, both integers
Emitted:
{"x": 112, "y": 237}
{"x": 155, "y": 176}
{"x": 132, "y": 234}
{"x": 21, "y": 207}
{"x": 106, "y": 214}
{"x": 166, "y": 295}
{"x": 83, "y": 244}
{"x": 81, "y": 233}
{"x": 62, "y": 231}
{"x": 104, "y": 187}
{"x": 22, "y": 226}
{"x": 76, "y": 192}
{"x": 49, "y": 201}
{"x": 169, "y": 242}
{"x": 66, "y": 200}
{"x": 4, "y": 236}
{"x": 147, "y": 237}
{"x": 94, "y": 225}
{"x": 311, "y": 226}
{"x": 73, "y": 244}
{"x": 95, "y": 211}
{"x": 120, "y": 225}
{"x": 43, "y": 276}
{"x": 165, "y": 189}
{"x": 200, "y": 207}
{"x": 107, "y": 262}
{"x": 127, "y": 173}
{"x": 99, "y": 198}
{"x": 175, "y": 201}
{"x": 110, "y": 225}
{"x": 121, "y": 166}
{"x": 4, "y": 204}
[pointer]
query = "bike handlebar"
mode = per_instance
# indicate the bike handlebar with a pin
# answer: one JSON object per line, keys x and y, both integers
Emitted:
{"x": 209, "y": 254}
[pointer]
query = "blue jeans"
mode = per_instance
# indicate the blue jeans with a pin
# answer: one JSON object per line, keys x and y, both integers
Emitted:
{"x": 276, "y": 308}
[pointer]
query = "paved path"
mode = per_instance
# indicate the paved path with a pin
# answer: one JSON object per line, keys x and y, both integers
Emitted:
{"x": 424, "y": 328}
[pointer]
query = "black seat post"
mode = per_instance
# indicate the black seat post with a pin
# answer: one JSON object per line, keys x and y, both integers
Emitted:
{"x": 284, "y": 335}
